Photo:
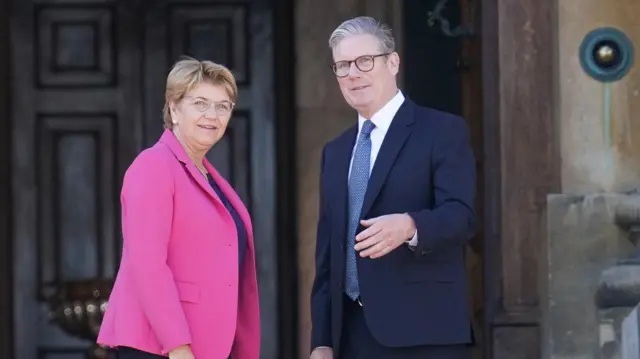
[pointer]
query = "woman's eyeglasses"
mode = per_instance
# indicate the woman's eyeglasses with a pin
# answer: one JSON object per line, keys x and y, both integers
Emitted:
{"x": 222, "y": 108}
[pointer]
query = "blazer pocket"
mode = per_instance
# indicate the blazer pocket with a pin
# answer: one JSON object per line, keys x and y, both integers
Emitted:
{"x": 188, "y": 292}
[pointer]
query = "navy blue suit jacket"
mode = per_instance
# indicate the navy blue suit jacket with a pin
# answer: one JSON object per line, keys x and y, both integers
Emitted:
{"x": 426, "y": 168}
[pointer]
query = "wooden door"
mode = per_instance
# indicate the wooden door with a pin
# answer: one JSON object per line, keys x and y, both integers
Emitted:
{"x": 441, "y": 56}
{"x": 87, "y": 94}
{"x": 470, "y": 69}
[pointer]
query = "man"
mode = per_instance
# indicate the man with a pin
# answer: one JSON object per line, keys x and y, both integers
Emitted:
{"x": 396, "y": 210}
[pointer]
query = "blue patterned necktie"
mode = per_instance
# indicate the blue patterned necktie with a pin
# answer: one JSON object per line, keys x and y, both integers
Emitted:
{"x": 358, "y": 180}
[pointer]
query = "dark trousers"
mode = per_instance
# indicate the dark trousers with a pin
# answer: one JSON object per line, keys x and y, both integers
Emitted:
{"x": 130, "y": 353}
{"x": 358, "y": 343}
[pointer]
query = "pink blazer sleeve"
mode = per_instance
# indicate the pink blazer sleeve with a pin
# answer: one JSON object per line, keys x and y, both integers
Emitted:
{"x": 147, "y": 212}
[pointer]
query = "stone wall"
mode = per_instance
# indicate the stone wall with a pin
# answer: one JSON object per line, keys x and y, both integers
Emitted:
{"x": 600, "y": 166}
{"x": 581, "y": 104}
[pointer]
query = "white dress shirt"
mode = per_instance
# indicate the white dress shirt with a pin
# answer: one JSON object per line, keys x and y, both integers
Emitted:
{"x": 382, "y": 120}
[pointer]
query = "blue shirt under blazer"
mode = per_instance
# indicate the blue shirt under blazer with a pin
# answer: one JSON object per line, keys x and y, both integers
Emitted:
{"x": 426, "y": 168}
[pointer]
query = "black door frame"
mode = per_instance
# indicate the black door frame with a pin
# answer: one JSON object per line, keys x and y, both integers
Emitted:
{"x": 283, "y": 13}
{"x": 6, "y": 218}
{"x": 286, "y": 180}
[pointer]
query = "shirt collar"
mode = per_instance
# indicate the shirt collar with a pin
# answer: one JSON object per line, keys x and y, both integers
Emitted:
{"x": 382, "y": 119}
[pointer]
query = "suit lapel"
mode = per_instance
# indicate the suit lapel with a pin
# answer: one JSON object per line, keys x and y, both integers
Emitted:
{"x": 394, "y": 140}
{"x": 170, "y": 140}
{"x": 202, "y": 181}
{"x": 232, "y": 196}
{"x": 341, "y": 157}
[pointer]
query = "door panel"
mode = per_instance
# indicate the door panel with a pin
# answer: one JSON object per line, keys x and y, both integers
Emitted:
{"x": 72, "y": 138}
{"x": 88, "y": 89}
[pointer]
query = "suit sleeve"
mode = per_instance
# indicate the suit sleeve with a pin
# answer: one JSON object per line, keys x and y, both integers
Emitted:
{"x": 451, "y": 221}
{"x": 321, "y": 291}
{"x": 147, "y": 214}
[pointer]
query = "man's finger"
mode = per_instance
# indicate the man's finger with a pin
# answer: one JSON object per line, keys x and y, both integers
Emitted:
{"x": 371, "y": 241}
{"x": 384, "y": 251}
{"x": 371, "y": 231}
{"x": 375, "y": 251}
{"x": 370, "y": 221}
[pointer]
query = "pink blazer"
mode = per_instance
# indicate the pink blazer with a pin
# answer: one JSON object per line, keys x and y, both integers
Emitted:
{"x": 178, "y": 280}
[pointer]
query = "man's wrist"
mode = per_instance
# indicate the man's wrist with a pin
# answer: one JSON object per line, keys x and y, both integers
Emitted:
{"x": 413, "y": 242}
{"x": 412, "y": 230}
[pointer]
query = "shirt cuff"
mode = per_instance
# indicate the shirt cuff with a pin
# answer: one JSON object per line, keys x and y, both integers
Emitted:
{"x": 321, "y": 347}
{"x": 414, "y": 241}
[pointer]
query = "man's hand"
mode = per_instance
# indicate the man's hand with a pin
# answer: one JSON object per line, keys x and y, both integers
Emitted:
{"x": 181, "y": 352}
{"x": 322, "y": 353}
{"x": 384, "y": 234}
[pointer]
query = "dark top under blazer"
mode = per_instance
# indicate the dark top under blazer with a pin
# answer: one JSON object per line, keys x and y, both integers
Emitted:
{"x": 426, "y": 168}
{"x": 242, "y": 231}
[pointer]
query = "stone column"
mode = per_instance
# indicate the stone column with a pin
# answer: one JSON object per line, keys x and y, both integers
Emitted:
{"x": 583, "y": 281}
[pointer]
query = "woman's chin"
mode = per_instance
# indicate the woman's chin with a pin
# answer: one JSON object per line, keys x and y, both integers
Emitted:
{"x": 210, "y": 141}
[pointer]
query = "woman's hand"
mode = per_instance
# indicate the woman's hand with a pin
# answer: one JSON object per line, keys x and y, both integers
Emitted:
{"x": 181, "y": 352}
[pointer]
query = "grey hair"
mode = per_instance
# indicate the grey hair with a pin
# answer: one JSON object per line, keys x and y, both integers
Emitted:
{"x": 364, "y": 25}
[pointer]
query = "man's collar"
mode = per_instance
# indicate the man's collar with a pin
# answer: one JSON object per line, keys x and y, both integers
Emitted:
{"x": 382, "y": 119}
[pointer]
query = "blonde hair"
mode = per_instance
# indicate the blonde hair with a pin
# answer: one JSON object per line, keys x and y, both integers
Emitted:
{"x": 188, "y": 73}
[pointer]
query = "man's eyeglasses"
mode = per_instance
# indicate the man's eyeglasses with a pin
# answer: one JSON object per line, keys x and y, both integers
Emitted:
{"x": 364, "y": 63}
{"x": 222, "y": 108}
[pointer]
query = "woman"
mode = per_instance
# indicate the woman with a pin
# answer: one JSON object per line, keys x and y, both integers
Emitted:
{"x": 187, "y": 285}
